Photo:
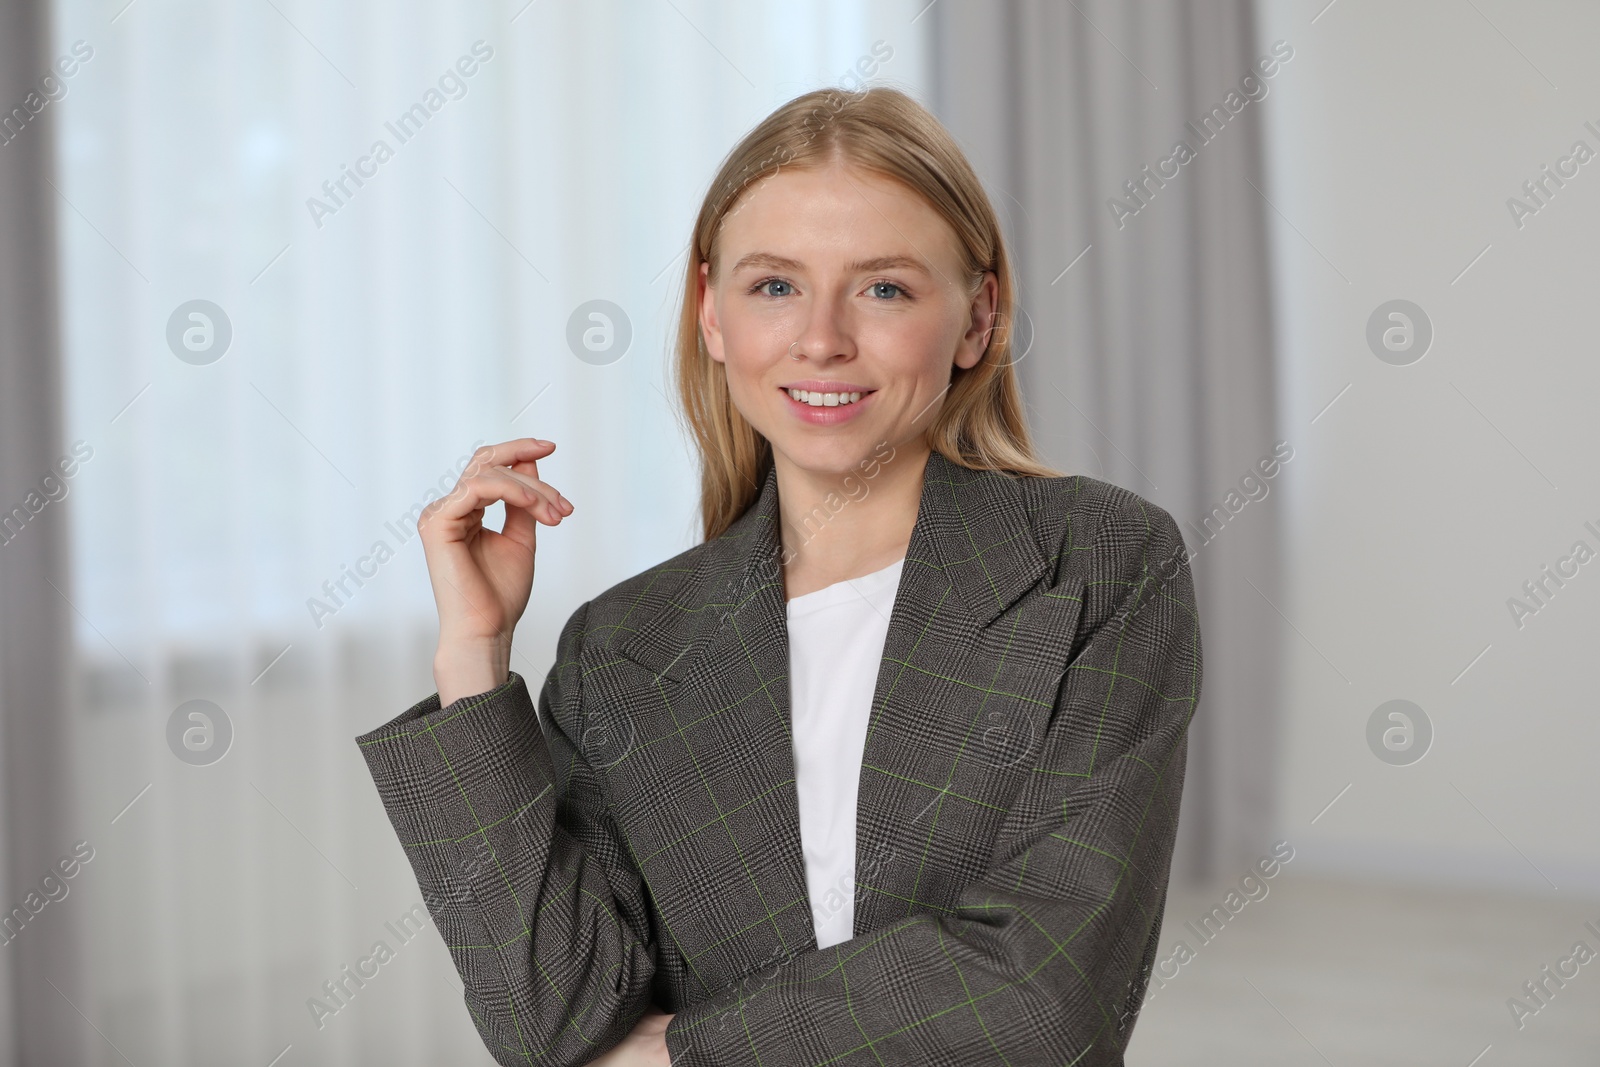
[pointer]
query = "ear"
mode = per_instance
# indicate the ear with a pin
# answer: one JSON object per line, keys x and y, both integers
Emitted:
{"x": 981, "y": 324}
{"x": 710, "y": 327}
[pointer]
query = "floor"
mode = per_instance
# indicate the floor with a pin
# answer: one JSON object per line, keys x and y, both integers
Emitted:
{"x": 1324, "y": 973}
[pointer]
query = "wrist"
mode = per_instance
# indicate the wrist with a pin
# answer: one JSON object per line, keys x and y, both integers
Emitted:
{"x": 467, "y": 667}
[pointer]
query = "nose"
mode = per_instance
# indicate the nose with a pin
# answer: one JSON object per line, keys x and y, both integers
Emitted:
{"x": 826, "y": 333}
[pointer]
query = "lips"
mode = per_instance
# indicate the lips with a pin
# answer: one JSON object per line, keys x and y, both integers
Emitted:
{"x": 837, "y": 396}
{"x": 814, "y": 407}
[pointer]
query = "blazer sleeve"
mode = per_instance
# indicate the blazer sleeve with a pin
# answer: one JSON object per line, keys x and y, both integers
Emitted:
{"x": 1045, "y": 956}
{"x": 519, "y": 864}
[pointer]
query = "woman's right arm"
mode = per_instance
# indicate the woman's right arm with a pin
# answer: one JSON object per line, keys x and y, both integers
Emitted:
{"x": 528, "y": 880}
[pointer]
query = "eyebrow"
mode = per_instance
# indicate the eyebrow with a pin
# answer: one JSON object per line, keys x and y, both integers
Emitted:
{"x": 770, "y": 261}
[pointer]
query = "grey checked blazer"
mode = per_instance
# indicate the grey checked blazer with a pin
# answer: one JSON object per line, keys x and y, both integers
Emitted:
{"x": 640, "y": 840}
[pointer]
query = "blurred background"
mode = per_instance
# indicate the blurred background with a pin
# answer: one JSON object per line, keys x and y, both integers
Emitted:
{"x": 241, "y": 345}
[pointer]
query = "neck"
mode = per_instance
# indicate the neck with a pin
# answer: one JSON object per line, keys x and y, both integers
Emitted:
{"x": 839, "y": 526}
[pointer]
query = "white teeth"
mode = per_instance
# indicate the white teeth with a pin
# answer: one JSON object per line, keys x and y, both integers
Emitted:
{"x": 824, "y": 400}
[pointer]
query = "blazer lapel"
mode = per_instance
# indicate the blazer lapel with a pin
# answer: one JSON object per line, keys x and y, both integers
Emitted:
{"x": 710, "y": 800}
{"x": 961, "y": 700}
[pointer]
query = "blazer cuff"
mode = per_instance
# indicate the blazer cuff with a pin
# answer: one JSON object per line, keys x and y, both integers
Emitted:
{"x": 446, "y": 774}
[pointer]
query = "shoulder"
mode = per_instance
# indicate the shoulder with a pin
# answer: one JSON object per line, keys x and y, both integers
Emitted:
{"x": 1082, "y": 523}
{"x": 1122, "y": 557}
{"x": 608, "y": 618}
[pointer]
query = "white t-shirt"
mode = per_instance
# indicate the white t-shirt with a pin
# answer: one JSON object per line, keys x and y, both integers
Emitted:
{"x": 836, "y": 637}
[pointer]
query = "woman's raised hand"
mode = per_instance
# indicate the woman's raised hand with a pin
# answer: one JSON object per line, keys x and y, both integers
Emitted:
{"x": 481, "y": 579}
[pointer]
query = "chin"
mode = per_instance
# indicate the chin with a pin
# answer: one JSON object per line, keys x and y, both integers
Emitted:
{"x": 836, "y": 456}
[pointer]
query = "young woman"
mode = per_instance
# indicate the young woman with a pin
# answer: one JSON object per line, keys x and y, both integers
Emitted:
{"x": 887, "y": 769}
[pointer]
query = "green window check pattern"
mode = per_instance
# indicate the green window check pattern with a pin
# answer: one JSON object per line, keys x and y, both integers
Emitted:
{"x": 638, "y": 839}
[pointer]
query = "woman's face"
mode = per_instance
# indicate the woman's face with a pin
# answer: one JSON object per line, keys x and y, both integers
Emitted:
{"x": 859, "y": 277}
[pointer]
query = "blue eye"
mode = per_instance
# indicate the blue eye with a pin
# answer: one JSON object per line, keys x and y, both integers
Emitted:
{"x": 878, "y": 289}
{"x": 784, "y": 288}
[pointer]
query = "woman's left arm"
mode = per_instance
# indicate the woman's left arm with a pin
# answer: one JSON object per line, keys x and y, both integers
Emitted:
{"x": 1044, "y": 958}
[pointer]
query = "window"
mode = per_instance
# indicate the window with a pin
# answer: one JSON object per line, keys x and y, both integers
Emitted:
{"x": 368, "y": 314}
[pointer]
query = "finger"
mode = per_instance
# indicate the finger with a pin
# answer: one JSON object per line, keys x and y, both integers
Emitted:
{"x": 504, "y": 454}
{"x": 522, "y": 526}
{"x": 558, "y": 507}
{"x": 472, "y": 495}
{"x": 522, "y": 517}
{"x": 521, "y": 523}
{"x": 561, "y": 504}
{"x": 541, "y": 506}
{"x": 531, "y": 469}
{"x": 520, "y": 456}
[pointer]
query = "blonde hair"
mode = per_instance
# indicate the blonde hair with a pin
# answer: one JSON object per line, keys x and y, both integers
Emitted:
{"x": 982, "y": 423}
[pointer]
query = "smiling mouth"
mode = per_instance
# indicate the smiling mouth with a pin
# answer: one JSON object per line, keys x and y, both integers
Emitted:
{"x": 827, "y": 400}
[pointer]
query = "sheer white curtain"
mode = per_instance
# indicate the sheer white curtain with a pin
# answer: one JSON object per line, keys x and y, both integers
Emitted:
{"x": 536, "y": 157}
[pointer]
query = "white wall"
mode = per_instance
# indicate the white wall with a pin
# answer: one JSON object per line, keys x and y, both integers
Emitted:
{"x": 1427, "y": 494}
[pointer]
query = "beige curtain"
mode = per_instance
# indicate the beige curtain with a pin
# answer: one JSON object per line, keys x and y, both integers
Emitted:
{"x": 1146, "y": 320}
